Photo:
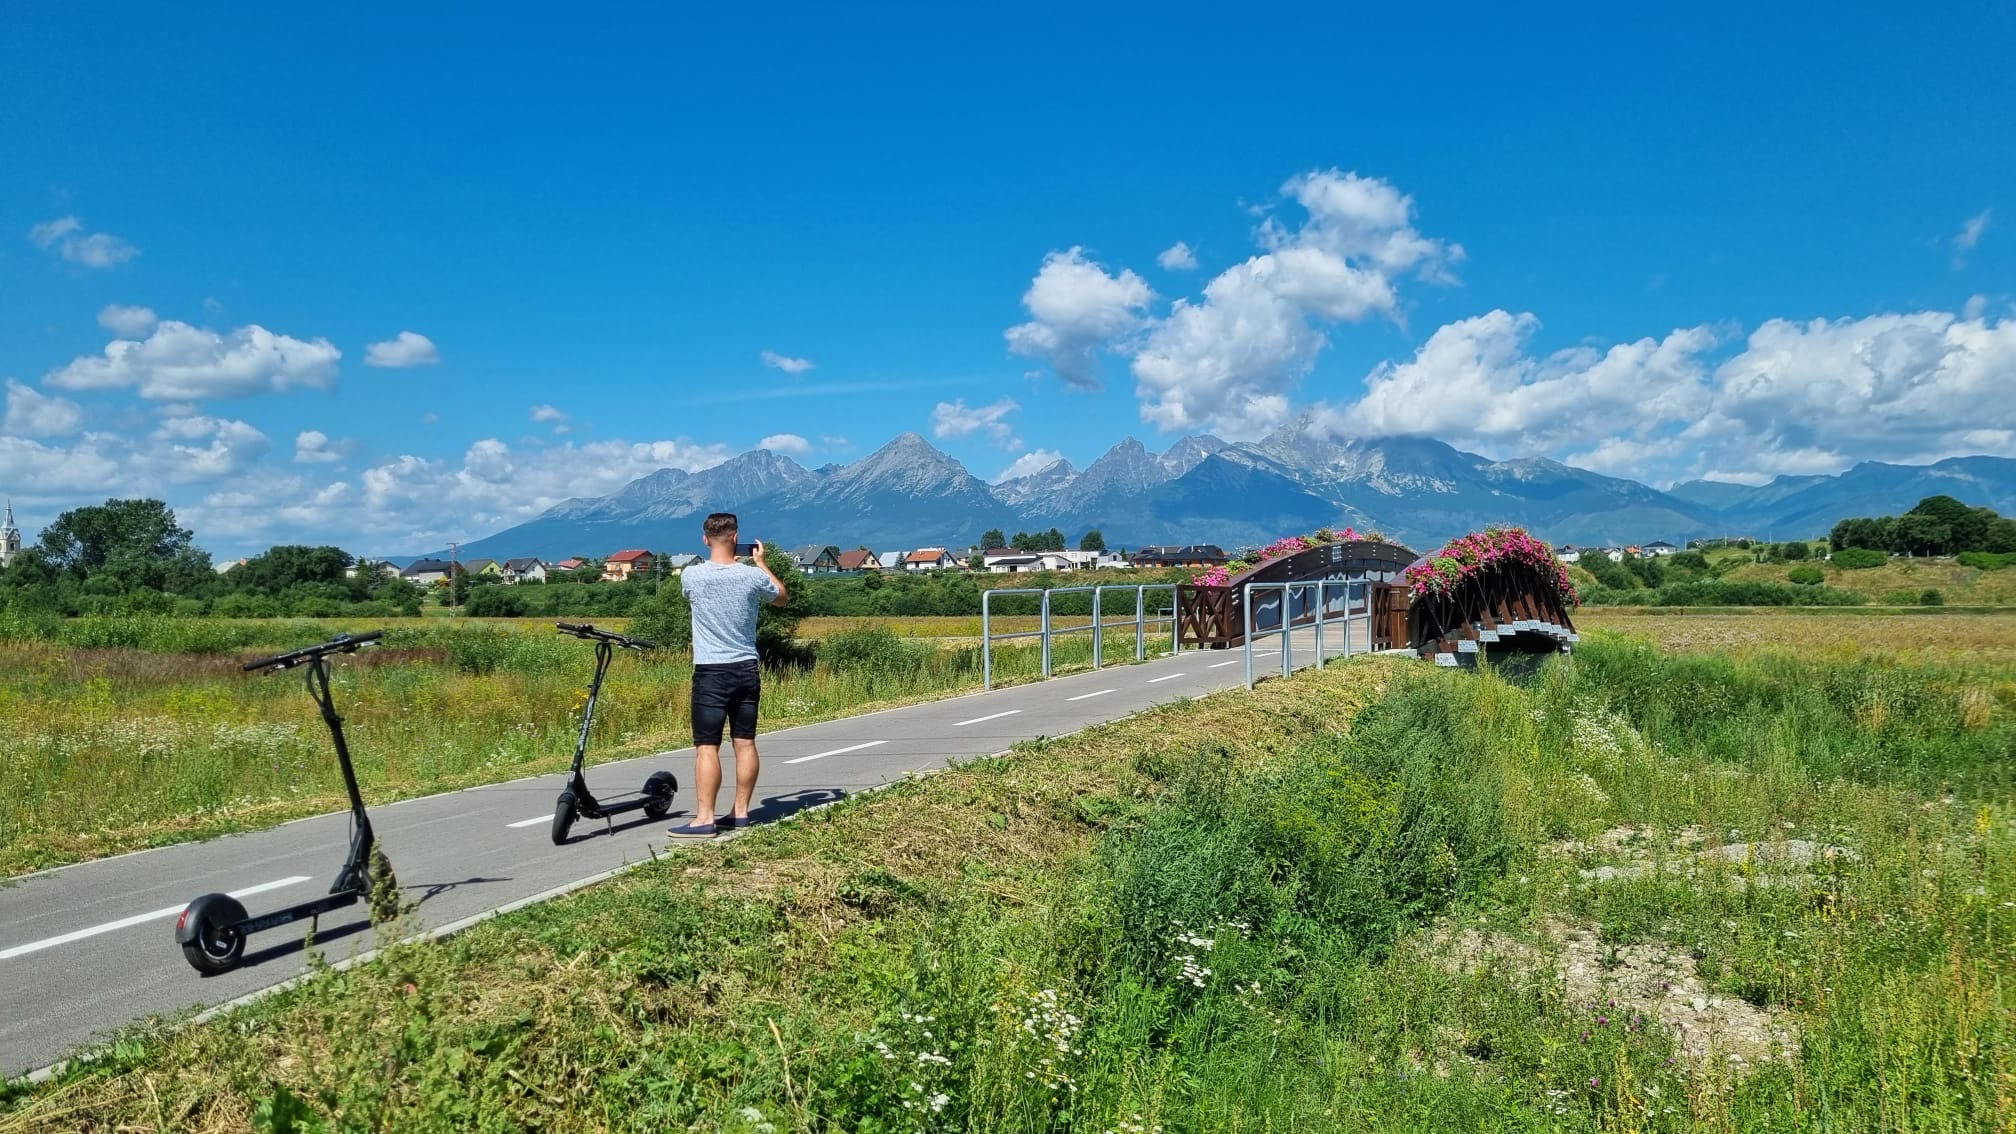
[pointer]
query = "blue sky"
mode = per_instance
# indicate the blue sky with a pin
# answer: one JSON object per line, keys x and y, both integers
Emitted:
{"x": 1600, "y": 238}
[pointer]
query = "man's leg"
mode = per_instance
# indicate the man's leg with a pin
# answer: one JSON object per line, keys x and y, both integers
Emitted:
{"x": 707, "y": 780}
{"x": 746, "y": 766}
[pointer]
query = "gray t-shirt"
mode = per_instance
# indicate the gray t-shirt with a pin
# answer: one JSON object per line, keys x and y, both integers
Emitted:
{"x": 725, "y": 597}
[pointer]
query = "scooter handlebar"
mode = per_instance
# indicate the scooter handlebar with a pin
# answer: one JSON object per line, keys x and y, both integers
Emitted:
{"x": 588, "y": 631}
{"x": 341, "y": 644}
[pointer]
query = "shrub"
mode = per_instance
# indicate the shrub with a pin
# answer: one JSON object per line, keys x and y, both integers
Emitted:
{"x": 1986, "y": 560}
{"x": 1931, "y": 597}
{"x": 1796, "y": 549}
{"x": 875, "y": 653}
{"x": 1806, "y": 575}
{"x": 1859, "y": 558}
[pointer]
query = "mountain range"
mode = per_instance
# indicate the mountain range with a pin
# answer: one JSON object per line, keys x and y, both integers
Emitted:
{"x": 1417, "y": 490}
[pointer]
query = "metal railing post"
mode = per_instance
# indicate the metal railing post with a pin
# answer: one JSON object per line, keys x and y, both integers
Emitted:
{"x": 1046, "y": 633}
{"x": 1175, "y": 624}
{"x": 1248, "y": 612}
{"x": 1098, "y": 624}
{"x": 986, "y": 643}
{"x": 1320, "y": 611}
{"x": 1140, "y": 623}
{"x": 1287, "y": 632}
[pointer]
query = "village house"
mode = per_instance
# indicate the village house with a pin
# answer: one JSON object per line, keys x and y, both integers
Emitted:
{"x": 1189, "y": 555}
{"x": 628, "y": 564}
{"x": 481, "y": 567}
{"x": 527, "y": 570}
{"x": 1660, "y": 547}
{"x": 427, "y": 572}
{"x": 571, "y": 563}
{"x": 859, "y": 560}
{"x": 929, "y": 559}
{"x": 892, "y": 560}
{"x": 817, "y": 559}
{"x": 1568, "y": 553}
{"x": 678, "y": 561}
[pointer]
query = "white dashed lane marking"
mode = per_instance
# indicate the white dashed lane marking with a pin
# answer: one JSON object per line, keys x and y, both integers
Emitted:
{"x": 1089, "y": 696}
{"x": 837, "y": 751}
{"x": 990, "y": 717}
{"x": 1168, "y": 677}
{"x": 536, "y": 819}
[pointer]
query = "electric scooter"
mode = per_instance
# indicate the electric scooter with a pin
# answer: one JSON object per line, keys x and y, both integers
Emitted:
{"x": 577, "y": 801}
{"x": 212, "y": 930}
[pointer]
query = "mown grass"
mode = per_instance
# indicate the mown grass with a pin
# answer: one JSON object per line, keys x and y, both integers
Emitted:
{"x": 113, "y": 747}
{"x": 1234, "y": 914}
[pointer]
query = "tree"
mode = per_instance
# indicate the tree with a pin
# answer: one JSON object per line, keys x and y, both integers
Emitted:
{"x": 976, "y": 562}
{"x": 992, "y": 539}
{"x": 1795, "y": 549}
{"x": 130, "y": 543}
{"x": 1092, "y": 541}
{"x": 1919, "y": 534}
{"x": 278, "y": 568}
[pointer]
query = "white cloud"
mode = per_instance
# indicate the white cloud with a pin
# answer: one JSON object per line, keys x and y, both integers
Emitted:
{"x": 1229, "y": 362}
{"x": 551, "y": 415}
{"x": 956, "y": 419}
{"x": 127, "y": 322}
{"x": 413, "y": 502}
{"x": 1027, "y": 463}
{"x": 180, "y": 361}
{"x": 410, "y": 348}
{"x": 1976, "y": 304}
{"x": 32, "y": 413}
{"x": 66, "y": 237}
{"x": 1077, "y": 308}
{"x": 1792, "y": 398}
{"x": 1178, "y": 257}
{"x": 430, "y": 418}
{"x": 835, "y": 441}
{"x": 1474, "y": 383}
{"x": 314, "y": 447}
{"x": 1969, "y": 236}
{"x": 785, "y": 362}
{"x": 789, "y": 444}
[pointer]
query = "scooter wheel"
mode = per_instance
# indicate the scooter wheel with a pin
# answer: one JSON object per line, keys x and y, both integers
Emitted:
{"x": 208, "y": 934}
{"x": 563, "y": 817}
{"x": 660, "y": 789}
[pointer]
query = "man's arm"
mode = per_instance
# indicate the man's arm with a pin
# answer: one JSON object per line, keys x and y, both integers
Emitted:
{"x": 763, "y": 564}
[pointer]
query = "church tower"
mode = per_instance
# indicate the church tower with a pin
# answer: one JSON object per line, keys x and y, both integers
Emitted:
{"x": 10, "y": 538}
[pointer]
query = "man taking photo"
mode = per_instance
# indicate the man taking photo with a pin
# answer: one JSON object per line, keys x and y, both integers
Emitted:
{"x": 727, "y": 684}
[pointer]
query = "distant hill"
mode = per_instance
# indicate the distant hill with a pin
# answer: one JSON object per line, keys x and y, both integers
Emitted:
{"x": 1417, "y": 490}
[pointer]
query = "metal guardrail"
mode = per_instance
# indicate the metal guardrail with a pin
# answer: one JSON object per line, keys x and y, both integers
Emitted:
{"x": 1141, "y": 621}
{"x": 1319, "y": 615}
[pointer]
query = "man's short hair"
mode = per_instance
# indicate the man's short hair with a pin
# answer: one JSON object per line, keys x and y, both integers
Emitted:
{"x": 720, "y": 524}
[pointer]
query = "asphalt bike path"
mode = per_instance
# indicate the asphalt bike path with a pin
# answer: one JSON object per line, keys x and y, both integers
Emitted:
{"x": 87, "y": 948}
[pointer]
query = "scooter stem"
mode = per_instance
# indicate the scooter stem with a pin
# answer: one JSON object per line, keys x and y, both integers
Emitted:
{"x": 356, "y": 872}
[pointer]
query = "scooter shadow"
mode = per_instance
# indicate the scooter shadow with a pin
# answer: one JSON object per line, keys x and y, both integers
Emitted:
{"x": 603, "y": 828}
{"x": 419, "y": 892}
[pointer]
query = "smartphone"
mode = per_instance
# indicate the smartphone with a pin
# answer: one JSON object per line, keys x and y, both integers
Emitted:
{"x": 744, "y": 550}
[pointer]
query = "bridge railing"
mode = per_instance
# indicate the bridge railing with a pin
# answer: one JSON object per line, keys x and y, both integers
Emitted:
{"x": 1325, "y": 602}
{"x": 1048, "y": 629}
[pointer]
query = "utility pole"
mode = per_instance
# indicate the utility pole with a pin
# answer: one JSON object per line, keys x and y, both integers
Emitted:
{"x": 454, "y": 570}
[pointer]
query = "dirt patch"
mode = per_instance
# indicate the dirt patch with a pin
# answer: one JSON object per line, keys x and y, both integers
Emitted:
{"x": 1654, "y": 981}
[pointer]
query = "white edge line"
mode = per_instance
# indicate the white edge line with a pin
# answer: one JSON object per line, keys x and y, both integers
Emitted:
{"x": 1089, "y": 696}
{"x": 837, "y": 751}
{"x": 979, "y": 720}
{"x": 137, "y": 919}
{"x": 536, "y": 819}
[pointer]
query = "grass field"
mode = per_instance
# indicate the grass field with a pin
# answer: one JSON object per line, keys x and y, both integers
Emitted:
{"x": 1902, "y": 581}
{"x": 1722, "y": 890}
{"x": 129, "y": 739}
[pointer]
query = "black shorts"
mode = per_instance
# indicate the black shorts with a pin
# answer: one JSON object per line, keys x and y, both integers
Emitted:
{"x": 725, "y": 694}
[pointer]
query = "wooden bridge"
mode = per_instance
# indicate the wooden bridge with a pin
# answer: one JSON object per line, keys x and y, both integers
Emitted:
{"x": 1355, "y": 576}
{"x": 1507, "y": 604}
